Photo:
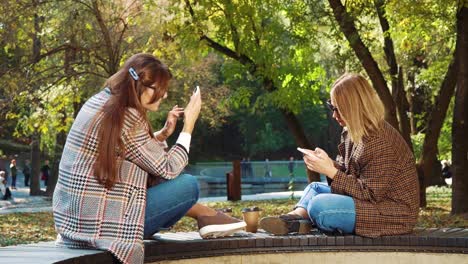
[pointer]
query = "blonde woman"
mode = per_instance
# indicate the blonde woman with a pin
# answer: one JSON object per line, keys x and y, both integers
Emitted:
{"x": 374, "y": 189}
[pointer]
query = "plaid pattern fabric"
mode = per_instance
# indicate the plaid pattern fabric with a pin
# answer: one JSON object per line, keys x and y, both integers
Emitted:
{"x": 380, "y": 174}
{"x": 86, "y": 214}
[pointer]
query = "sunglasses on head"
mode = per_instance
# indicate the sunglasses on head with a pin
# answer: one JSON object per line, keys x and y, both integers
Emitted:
{"x": 331, "y": 106}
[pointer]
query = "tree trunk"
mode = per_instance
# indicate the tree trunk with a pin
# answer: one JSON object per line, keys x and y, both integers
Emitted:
{"x": 396, "y": 73}
{"x": 403, "y": 109}
{"x": 411, "y": 79}
{"x": 35, "y": 184}
{"x": 434, "y": 126}
{"x": 301, "y": 140}
{"x": 53, "y": 177}
{"x": 460, "y": 118}
{"x": 333, "y": 136}
{"x": 346, "y": 22}
{"x": 35, "y": 188}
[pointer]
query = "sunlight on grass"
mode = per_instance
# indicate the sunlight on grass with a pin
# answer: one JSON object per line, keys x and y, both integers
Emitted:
{"x": 22, "y": 228}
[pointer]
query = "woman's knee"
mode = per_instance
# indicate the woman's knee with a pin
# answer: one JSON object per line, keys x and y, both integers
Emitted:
{"x": 312, "y": 186}
{"x": 331, "y": 212}
{"x": 316, "y": 206}
{"x": 190, "y": 185}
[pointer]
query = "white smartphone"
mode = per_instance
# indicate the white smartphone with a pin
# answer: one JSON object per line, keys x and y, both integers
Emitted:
{"x": 196, "y": 89}
{"x": 303, "y": 151}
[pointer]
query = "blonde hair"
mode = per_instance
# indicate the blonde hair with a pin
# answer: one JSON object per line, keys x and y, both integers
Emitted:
{"x": 358, "y": 104}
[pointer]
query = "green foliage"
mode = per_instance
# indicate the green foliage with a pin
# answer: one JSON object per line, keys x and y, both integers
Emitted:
{"x": 54, "y": 115}
{"x": 267, "y": 139}
{"x": 422, "y": 28}
{"x": 417, "y": 140}
{"x": 445, "y": 139}
{"x": 297, "y": 45}
{"x": 277, "y": 43}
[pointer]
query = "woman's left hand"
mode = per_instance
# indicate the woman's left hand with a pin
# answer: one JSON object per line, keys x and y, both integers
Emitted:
{"x": 171, "y": 122}
{"x": 321, "y": 163}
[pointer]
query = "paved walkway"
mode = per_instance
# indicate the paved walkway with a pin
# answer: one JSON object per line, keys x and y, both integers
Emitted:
{"x": 22, "y": 202}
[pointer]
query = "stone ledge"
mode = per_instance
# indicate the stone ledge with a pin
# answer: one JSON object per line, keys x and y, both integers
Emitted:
{"x": 328, "y": 257}
{"x": 176, "y": 246}
{"x": 172, "y": 246}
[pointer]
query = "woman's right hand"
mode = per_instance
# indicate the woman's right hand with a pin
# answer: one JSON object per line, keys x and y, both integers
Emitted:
{"x": 191, "y": 112}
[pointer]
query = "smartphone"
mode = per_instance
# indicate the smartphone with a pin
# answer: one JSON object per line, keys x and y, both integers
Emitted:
{"x": 196, "y": 89}
{"x": 303, "y": 151}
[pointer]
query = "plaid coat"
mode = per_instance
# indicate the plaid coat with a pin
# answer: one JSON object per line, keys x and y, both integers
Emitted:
{"x": 380, "y": 175}
{"x": 86, "y": 214}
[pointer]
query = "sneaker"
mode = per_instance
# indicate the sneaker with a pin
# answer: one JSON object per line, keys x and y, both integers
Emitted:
{"x": 219, "y": 225}
{"x": 285, "y": 224}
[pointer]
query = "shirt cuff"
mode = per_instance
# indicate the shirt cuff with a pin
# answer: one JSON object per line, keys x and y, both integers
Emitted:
{"x": 184, "y": 140}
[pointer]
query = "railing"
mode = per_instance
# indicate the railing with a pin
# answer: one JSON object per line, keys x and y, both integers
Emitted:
{"x": 253, "y": 169}
{"x": 256, "y": 176}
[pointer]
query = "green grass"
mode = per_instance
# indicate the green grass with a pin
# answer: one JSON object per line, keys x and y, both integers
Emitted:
{"x": 22, "y": 228}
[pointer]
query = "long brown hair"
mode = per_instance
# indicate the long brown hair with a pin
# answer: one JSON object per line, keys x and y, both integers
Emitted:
{"x": 126, "y": 93}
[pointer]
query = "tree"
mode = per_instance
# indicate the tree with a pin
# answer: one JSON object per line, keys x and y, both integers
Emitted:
{"x": 272, "y": 43}
{"x": 54, "y": 72}
{"x": 460, "y": 116}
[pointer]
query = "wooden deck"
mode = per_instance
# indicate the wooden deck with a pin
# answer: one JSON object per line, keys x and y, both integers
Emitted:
{"x": 172, "y": 246}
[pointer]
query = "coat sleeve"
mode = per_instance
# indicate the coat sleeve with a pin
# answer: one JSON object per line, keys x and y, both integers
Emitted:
{"x": 338, "y": 162}
{"x": 373, "y": 180}
{"x": 150, "y": 155}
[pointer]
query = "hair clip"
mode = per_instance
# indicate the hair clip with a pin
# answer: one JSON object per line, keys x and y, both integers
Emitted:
{"x": 133, "y": 73}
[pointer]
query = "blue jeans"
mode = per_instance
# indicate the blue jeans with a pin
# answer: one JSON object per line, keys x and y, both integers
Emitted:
{"x": 330, "y": 212}
{"x": 168, "y": 202}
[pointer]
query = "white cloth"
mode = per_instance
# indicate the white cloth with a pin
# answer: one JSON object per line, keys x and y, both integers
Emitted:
{"x": 184, "y": 140}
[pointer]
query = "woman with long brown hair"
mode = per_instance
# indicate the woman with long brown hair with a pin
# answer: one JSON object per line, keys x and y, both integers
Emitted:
{"x": 374, "y": 189}
{"x": 117, "y": 182}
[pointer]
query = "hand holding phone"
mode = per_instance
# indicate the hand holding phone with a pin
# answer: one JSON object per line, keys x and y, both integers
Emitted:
{"x": 305, "y": 151}
{"x": 192, "y": 110}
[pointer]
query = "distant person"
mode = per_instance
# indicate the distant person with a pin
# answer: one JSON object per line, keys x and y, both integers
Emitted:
{"x": 243, "y": 164}
{"x": 291, "y": 165}
{"x": 105, "y": 196}
{"x": 45, "y": 172}
{"x": 248, "y": 165}
{"x": 5, "y": 191}
{"x": 14, "y": 173}
{"x": 446, "y": 170}
{"x": 267, "y": 169}
{"x": 27, "y": 172}
{"x": 5, "y": 170}
{"x": 375, "y": 190}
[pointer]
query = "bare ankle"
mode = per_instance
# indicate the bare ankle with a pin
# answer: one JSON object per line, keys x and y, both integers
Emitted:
{"x": 300, "y": 211}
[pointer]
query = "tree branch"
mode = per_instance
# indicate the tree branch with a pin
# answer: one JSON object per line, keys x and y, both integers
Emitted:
{"x": 231, "y": 54}
{"x": 346, "y": 22}
{"x": 107, "y": 38}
